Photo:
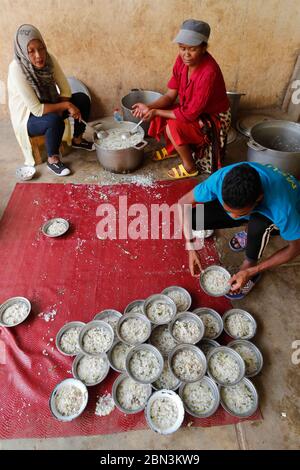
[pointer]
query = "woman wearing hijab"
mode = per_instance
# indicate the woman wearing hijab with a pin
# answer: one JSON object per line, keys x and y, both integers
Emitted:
{"x": 196, "y": 127}
{"x": 40, "y": 99}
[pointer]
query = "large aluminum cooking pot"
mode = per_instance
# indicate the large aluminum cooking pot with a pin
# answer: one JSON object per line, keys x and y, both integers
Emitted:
{"x": 277, "y": 143}
{"x": 122, "y": 160}
{"x": 137, "y": 96}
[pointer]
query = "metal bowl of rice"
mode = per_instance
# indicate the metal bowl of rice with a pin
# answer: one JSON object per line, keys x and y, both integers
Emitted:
{"x": 164, "y": 412}
{"x": 240, "y": 400}
{"x": 214, "y": 280}
{"x": 162, "y": 339}
{"x": 187, "y": 362}
{"x": 14, "y": 311}
{"x": 159, "y": 309}
{"x": 180, "y": 296}
{"x": 129, "y": 396}
{"x": 213, "y": 323}
{"x": 186, "y": 327}
{"x": 91, "y": 370}
{"x": 225, "y": 366}
{"x": 136, "y": 306}
{"x": 167, "y": 380}
{"x": 55, "y": 227}
{"x": 110, "y": 316}
{"x": 251, "y": 355}
{"x": 117, "y": 355}
{"x": 200, "y": 399}
{"x": 239, "y": 324}
{"x": 144, "y": 363}
{"x": 206, "y": 345}
{"x": 96, "y": 337}
{"x": 68, "y": 399}
{"x": 67, "y": 339}
{"x": 133, "y": 329}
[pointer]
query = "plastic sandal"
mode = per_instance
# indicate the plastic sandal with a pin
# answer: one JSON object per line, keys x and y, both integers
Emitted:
{"x": 241, "y": 239}
{"x": 180, "y": 173}
{"x": 245, "y": 290}
{"x": 162, "y": 154}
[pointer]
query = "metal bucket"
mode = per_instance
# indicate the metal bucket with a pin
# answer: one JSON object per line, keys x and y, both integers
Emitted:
{"x": 137, "y": 96}
{"x": 123, "y": 160}
{"x": 234, "y": 99}
{"x": 276, "y": 143}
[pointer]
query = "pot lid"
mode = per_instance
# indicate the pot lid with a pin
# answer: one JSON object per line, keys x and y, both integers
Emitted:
{"x": 245, "y": 124}
{"x": 231, "y": 136}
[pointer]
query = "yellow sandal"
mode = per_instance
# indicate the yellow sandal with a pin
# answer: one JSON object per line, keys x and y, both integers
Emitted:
{"x": 162, "y": 154}
{"x": 180, "y": 173}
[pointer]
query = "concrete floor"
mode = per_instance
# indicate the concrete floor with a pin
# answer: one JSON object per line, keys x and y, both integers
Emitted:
{"x": 274, "y": 302}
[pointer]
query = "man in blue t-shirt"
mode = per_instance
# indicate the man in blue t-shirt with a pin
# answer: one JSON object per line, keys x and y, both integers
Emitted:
{"x": 261, "y": 196}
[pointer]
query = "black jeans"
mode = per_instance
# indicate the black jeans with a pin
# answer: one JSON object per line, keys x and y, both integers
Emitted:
{"x": 52, "y": 125}
{"x": 259, "y": 227}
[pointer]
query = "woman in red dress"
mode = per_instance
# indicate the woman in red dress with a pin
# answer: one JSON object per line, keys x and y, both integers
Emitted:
{"x": 196, "y": 127}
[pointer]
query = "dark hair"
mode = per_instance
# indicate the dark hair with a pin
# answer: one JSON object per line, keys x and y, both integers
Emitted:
{"x": 241, "y": 187}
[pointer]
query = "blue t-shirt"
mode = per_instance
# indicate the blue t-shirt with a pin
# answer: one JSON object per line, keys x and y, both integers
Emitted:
{"x": 281, "y": 201}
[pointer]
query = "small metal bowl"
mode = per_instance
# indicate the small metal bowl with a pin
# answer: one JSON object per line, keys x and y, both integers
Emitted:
{"x": 216, "y": 394}
{"x": 175, "y": 387}
{"x": 164, "y": 299}
{"x": 134, "y": 316}
{"x": 47, "y": 224}
{"x": 135, "y": 307}
{"x": 189, "y": 317}
{"x": 253, "y": 409}
{"x": 237, "y": 358}
{"x": 62, "y": 331}
{"x": 25, "y": 173}
{"x": 208, "y": 343}
{"x": 199, "y": 354}
{"x": 9, "y": 303}
{"x": 108, "y": 315}
{"x": 95, "y": 324}
{"x": 154, "y": 330}
{"x": 76, "y": 364}
{"x": 202, "y": 310}
{"x": 52, "y": 404}
{"x": 177, "y": 401}
{"x": 144, "y": 347}
{"x": 168, "y": 291}
{"x": 258, "y": 354}
{"x": 233, "y": 311}
{"x": 115, "y": 386}
{"x": 109, "y": 356}
{"x": 218, "y": 269}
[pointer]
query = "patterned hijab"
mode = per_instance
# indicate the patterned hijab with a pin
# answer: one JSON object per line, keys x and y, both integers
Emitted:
{"x": 41, "y": 80}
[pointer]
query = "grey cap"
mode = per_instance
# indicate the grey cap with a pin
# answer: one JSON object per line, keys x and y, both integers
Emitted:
{"x": 193, "y": 33}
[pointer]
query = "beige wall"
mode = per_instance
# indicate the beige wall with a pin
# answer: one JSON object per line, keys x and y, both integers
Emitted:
{"x": 116, "y": 45}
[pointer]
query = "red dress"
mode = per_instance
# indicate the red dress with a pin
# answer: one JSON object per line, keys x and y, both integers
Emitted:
{"x": 203, "y": 93}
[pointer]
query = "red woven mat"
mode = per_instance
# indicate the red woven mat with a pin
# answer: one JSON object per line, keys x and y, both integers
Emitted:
{"x": 73, "y": 278}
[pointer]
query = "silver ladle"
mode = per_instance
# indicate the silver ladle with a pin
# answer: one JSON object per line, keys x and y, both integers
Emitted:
{"x": 100, "y": 134}
{"x": 132, "y": 131}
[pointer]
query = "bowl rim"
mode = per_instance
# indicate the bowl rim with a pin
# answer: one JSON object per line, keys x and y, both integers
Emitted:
{"x": 215, "y": 390}
{"x": 215, "y": 314}
{"x": 115, "y": 385}
{"x": 137, "y": 316}
{"x": 76, "y": 361}
{"x": 214, "y": 267}
{"x": 180, "y": 407}
{"x": 231, "y": 311}
{"x": 236, "y": 356}
{"x": 250, "y": 384}
{"x": 64, "y": 329}
{"x": 51, "y": 221}
{"x": 183, "y": 291}
{"x": 193, "y": 318}
{"x": 147, "y": 347}
{"x": 162, "y": 297}
{"x": 89, "y": 326}
{"x": 75, "y": 382}
{"x": 8, "y": 303}
{"x": 133, "y": 304}
{"x": 257, "y": 351}
{"x": 178, "y": 381}
{"x": 197, "y": 351}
